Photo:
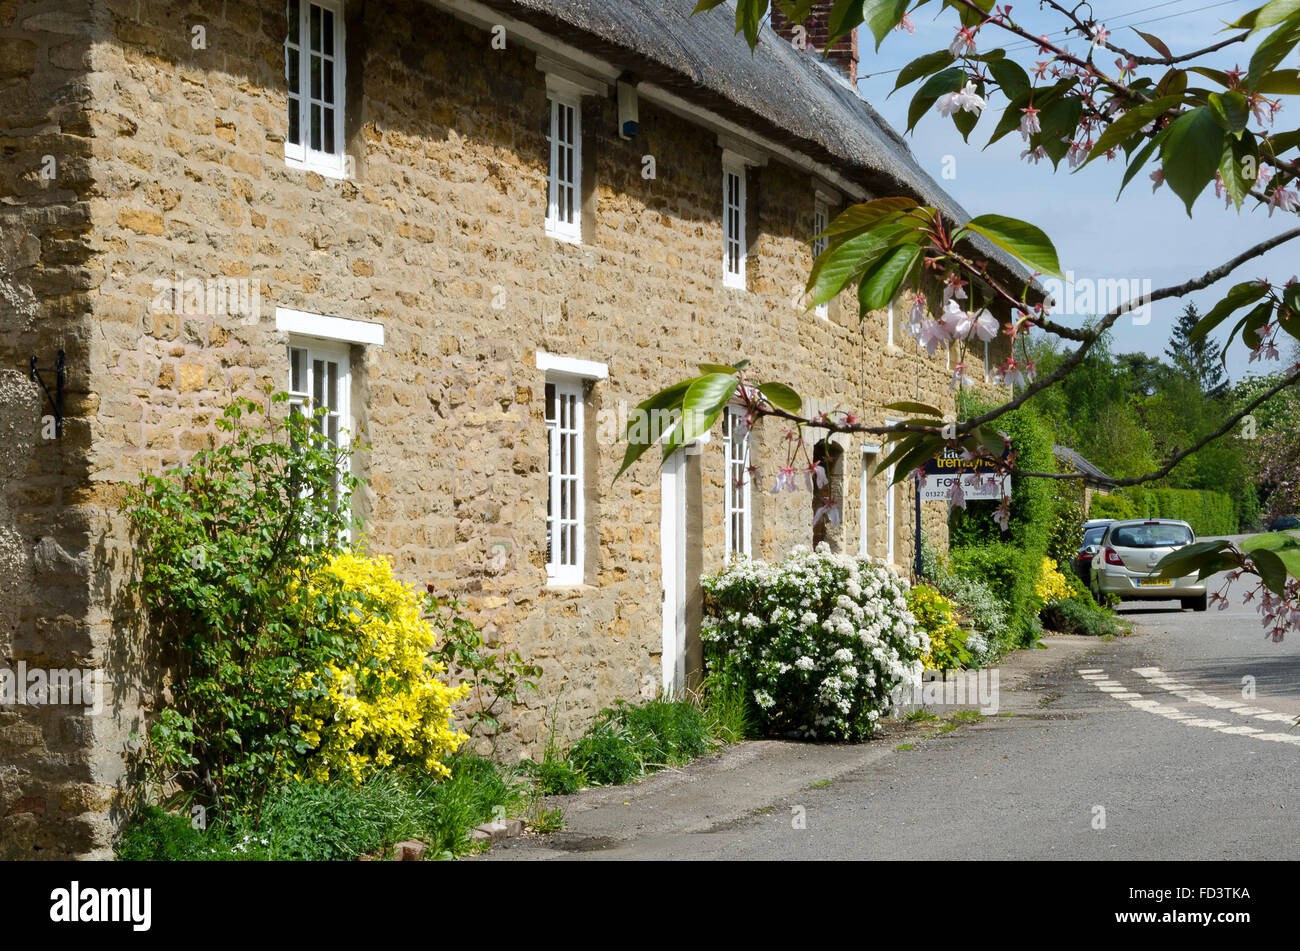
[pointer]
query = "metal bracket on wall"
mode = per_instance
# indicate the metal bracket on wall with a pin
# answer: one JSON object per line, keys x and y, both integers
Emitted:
{"x": 55, "y": 398}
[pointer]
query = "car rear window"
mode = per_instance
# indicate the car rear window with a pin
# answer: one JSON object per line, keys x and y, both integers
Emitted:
{"x": 1151, "y": 536}
{"x": 1093, "y": 535}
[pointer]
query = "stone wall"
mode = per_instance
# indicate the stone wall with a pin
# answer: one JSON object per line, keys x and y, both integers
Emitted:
{"x": 180, "y": 174}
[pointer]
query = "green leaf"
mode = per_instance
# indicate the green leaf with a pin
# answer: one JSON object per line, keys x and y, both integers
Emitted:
{"x": 1135, "y": 166}
{"x": 856, "y": 219}
{"x": 1235, "y": 150}
{"x": 1172, "y": 83}
{"x": 880, "y": 16}
{"x": 966, "y": 121}
{"x": 849, "y": 260}
{"x": 1271, "y": 568}
{"x": 749, "y": 17}
{"x": 1190, "y": 154}
{"x": 882, "y": 280}
{"x": 1189, "y": 558}
{"x": 921, "y": 66}
{"x": 716, "y": 368}
{"x": 992, "y": 440}
{"x": 1230, "y": 110}
{"x": 911, "y": 406}
{"x": 1154, "y": 42}
{"x": 844, "y": 16}
{"x": 950, "y": 80}
{"x": 1010, "y": 76}
{"x": 1280, "y": 82}
{"x": 704, "y": 401}
{"x": 664, "y": 400}
{"x": 781, "y": 396}
{"x": 1237, "y": 297}
{"x": 1131, "y": 123}
{"x": 1255, "y": 20}
{"x": 1255, "y": 318}
{"x": 1020, "y": 238}
{"x": 1273, "y": 50}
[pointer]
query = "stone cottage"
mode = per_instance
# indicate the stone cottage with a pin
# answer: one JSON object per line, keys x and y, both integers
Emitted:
{"x": 476, "y": 232}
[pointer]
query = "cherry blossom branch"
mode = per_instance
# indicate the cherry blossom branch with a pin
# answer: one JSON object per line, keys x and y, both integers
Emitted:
{"x": 1177, "y": 457}
{"x": 1176, "y": 290}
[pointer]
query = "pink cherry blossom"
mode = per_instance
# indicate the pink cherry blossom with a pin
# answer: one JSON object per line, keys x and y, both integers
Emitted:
{"x": 1029, "y": 123}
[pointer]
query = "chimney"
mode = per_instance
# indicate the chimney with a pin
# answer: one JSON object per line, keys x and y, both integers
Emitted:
{"x": 811, "y": 34}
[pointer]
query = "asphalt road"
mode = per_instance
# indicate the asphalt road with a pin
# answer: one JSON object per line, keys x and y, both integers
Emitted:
{"x": 1145, "y": 747}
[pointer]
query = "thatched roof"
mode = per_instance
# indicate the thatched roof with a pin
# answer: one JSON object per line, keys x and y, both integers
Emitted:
{"x": 788, "y": 95}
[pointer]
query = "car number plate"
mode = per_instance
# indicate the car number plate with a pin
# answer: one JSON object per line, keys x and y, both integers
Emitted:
{"x": 1155, "y": 582}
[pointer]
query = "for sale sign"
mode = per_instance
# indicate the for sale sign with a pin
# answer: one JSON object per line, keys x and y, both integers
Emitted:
{"x": 979, "y": 478}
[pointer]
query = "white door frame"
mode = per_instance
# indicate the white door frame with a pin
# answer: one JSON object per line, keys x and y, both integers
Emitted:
{"x": 891, "y": 507}
{"x": 870, "y": 453}
{"x": 672, "y": 548}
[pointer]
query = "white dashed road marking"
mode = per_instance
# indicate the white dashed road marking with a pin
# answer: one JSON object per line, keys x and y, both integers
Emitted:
{"x": 1158, "y": 678}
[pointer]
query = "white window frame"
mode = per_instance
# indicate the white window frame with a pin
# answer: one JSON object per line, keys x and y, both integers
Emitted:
{"x": 564, "y": 227}
{"x": 733, "y": 224}
{"x": 305, "y": 399}
{"x": 565, "y": 562}
{"x": 737, "y": 498}
{"x": 889, "y": 339}
{"x": 300, "y": 154}
{"x": 821, "y": 219}
{"x": 570, "y": 377}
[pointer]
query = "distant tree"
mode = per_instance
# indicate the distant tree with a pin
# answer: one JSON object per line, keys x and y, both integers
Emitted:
{"x": 1195, "y": 357}
{"x": 1147, "y": 373}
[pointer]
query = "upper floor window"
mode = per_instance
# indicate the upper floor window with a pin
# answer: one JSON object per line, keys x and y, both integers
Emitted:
{"x": 564, "y": 174}
{"x": 314, "y": 70}
{"x": 736, "y": 442}
{"x": 733, "y": 225}
{"x": 821, "y": 218}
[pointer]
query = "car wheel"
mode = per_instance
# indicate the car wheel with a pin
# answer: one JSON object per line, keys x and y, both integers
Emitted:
{"x": 1197, "y": 604}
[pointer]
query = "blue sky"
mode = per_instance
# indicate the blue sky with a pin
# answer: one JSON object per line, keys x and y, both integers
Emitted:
{"x": 1144, "y": 235}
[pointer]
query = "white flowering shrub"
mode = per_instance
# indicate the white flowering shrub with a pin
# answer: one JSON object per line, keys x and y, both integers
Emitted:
{"x": 819, "y": 641}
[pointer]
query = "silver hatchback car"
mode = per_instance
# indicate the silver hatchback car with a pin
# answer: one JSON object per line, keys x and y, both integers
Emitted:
{"x": 1126, "y": 563}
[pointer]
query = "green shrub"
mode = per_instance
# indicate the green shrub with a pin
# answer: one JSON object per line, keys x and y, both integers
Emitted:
{"x": 820, "y": 640}
{"x": 338, "y": 821}
{"x": 556, "y": 777}
{"x": 1114, "y": 505}
{"x": 729, "y": 706}
{"x": 667, "y": 732}
{"x": 154, "y": 835}
{"x": 221, "y": 539}
{"x": 1075, "y": 617}
{"x": 608, "y": 755}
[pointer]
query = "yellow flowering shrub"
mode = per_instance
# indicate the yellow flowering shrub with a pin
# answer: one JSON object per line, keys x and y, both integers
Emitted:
{"x": 937, "y": 616}
{"x": 381, "y": 702}
{"x": 1051, "y": 584}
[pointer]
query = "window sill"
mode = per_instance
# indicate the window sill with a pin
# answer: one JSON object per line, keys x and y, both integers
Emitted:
{"x": 567, "y": 237}
{"x": 571, "y": 588}
{"x": 332, "y": 170}
{"x": 734, "y": 283}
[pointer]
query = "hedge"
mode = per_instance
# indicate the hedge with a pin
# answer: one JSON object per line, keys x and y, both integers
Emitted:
{"x": 1207, "y": 511}
{"x": 1010, "y": 562}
